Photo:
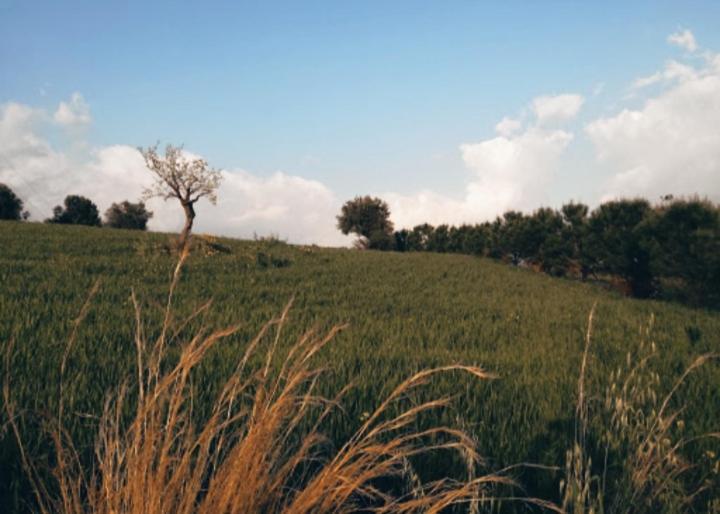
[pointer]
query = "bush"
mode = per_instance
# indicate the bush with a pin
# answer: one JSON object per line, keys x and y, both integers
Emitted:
{"x": 127, "y": 215}
{"x": 78, "y": 211}
{"x": 10, "y": 205}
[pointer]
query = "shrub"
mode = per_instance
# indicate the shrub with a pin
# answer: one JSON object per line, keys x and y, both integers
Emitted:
{"x": 10, "y": 205}
{"x": 78, "y": 210}
{"x": 127, "y": 215}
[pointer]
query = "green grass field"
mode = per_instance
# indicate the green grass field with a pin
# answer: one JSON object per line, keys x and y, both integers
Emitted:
{"x": 405, "y": 312}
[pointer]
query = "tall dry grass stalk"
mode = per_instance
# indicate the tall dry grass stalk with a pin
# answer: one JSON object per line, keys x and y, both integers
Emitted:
{"x": 643, "y": 430}
{"x": 578, "y": 489}
{"x": 254, "y": 453}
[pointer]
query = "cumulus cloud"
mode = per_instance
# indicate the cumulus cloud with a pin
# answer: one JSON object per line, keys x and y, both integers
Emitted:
{"x": 300, "y": 210}
{"x": 557, "y": 108}
{"x": 684, "y": 39}
{"x": 73, "y": 113}
{"x": 670, "y": 144}
{"x": 508, "y": 172}
{"x": 513, "y": 170}
{"x": 673, "y": 70}
{"x": 508, "y": 126}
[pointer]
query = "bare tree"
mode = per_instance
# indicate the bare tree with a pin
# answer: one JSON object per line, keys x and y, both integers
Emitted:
{"x": 187, "y": 179}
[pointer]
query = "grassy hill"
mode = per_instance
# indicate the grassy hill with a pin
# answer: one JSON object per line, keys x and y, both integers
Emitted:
{"x": 405, "y": 312}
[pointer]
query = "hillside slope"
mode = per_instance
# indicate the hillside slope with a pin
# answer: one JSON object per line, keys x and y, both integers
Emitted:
{"x": 405, "y": 312}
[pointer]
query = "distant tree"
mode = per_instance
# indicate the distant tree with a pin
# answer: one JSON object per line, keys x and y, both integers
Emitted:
{"x": 419, "y": 237}
{"x": 575, "y": 218}
{"x": 613, "y": 243}
{"x": 369, "y": 219}
{"x": 682, "y": 238}
{"x": 511, "y": 230}
{"x": 127, "y": 215}
{"x": 477, "y": 239}
{"x": 10, "y": 204}
{"x": 459, "y": 239}
{"x": 546, "y": 244}
{"x": 78, "y": 210}
{"x": 496, "y": 241}
{"x": 401, "y": 240}
{"x": 380, "y": 240}
{"x": 439, "y": 240}
{"x": 185, "y": 179}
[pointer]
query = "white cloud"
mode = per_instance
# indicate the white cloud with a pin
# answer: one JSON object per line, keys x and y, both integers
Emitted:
{"x": 669, "y": 145}
{"x": 301, "y": 210}
{"x": 16, "y": 130}
{"x": 74, "y": 113}
{"x": 513, "y": 170}
{"x": 409, "y": 210}
{"x": 684, "y": 39}
{"x": 673, "y": 71}
{"x": 292, "y": 207}
{"x": 508, "y": 126}
{"x": 509, "y": 172}
{"x": 556, "y": 108}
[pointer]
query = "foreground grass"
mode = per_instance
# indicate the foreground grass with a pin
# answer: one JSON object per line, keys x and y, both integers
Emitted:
{"x": 406, "y": 312}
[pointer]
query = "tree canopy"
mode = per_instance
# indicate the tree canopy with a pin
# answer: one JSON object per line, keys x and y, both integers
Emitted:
{"x": 127, "y": 215}
{"x": 369, "y": 218}
{"x": 11, "y": 205}
{"x": 77, "y": 210}
{"x": 182, "y": 177}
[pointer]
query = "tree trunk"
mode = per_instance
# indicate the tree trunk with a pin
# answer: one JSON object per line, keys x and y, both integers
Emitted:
{"x": 189, "y": 218}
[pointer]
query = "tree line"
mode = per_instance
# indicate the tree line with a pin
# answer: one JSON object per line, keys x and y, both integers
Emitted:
{"x": 78, "y": 210}
{"x": 671, "y": 249}
{"x": 176, "y": 176}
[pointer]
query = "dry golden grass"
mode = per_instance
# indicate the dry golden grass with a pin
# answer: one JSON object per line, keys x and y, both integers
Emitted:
{"x": 255, "y": 452}
{"x": 641, "y": 426}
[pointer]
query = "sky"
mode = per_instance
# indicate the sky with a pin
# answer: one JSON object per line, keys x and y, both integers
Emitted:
{"x": 450, "y": 111}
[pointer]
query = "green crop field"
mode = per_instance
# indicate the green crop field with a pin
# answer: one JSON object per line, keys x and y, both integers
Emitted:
{"x": 405, "y": 312}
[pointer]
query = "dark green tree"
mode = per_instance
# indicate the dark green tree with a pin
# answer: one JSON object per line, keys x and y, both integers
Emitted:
{"x": 496, "y": 241}
{"x": 419, "y": 237}
{"x": 401, "y": 240}
{"x": 127, "y": 215}
{"x": 546, "y": 244}
{"x": 613, "y": 243}
{"x": 78, "y": 210}
{"x": 11, "y": 206}
{"x": 439, "y": 240}
{"x": 511, "y": 236}
{"x": 477, "y": 239}
{"x": 575, "y": 218}
{"x": 683, "y": 240}
{"x": 369, "y": 219}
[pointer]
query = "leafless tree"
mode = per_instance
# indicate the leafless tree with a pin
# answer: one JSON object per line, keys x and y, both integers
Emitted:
{"x": 181, "y": 177}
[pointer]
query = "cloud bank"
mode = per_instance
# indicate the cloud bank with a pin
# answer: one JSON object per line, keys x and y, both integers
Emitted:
{"x": 298, "y": 209}
{"x": 671, "y": 144}
{"x": 510, "y": 171}
{"x": 668, "y": 143}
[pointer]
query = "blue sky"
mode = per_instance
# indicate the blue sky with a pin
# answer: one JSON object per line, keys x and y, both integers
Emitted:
{"x": 361, "y": 97}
